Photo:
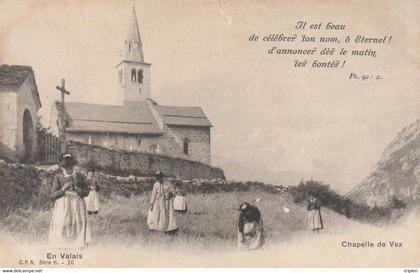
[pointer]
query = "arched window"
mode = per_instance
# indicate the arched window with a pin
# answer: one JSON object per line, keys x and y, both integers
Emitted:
{"x": 140, "y": 76}
{"x": 133, "y": 75}
{"x": 129, "y": 47}
{"x": 185, "y": 145}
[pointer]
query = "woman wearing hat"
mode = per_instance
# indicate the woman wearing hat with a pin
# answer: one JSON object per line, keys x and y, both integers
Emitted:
{"x": 69, "y": 226}
{"x": 250, "y": 227}
{"x": 161, "y": 216}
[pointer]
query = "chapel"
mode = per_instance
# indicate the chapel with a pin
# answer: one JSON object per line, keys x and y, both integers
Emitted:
{"x": 140, "y": 124}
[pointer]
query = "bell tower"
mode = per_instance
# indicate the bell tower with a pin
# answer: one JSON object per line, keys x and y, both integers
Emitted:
{"x": 133, "y": 73}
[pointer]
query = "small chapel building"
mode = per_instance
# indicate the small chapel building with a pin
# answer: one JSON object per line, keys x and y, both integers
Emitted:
{"x": 140, "y": 124}
{"x": 19, "y": 105}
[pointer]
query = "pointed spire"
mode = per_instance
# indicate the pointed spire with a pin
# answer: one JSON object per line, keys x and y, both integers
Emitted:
{"x": 134, "y": 47}
{"x": 133, "y": 31}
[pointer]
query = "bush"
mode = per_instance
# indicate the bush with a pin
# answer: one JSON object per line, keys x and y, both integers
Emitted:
{"x": 332, "y": 200}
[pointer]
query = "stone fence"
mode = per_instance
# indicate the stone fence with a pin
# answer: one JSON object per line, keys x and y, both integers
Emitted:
{"x": 139, "y": 163}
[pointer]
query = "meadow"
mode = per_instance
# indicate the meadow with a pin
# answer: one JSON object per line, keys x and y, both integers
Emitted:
{"x": 207, "y": 235}
{"x": 210, "y": 224}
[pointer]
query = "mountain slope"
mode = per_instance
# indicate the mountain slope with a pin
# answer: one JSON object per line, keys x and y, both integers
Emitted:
{"x": 397, "y": 174}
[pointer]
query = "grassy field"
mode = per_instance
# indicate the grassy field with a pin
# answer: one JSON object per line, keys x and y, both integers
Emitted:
{"x": 207, "y": 230}
{"x": 211, "y": 222}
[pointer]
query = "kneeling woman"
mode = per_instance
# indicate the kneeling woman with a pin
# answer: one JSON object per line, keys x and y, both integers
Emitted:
{"x": 250, "y": 228}
{"x": 69, "y": 226}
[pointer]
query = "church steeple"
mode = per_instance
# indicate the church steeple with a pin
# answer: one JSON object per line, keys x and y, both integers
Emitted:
{"x": 133, "y": 73}
{"x": 134, "y": 47}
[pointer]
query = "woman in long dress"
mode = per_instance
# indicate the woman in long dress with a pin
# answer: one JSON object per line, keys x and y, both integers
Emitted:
{"x": 161, "y": 216}
{"x": 250, "y": 228}
{"x": 92, "y": 200}
{"x": 314, "y": 214}
{"x": 69, "y": 226}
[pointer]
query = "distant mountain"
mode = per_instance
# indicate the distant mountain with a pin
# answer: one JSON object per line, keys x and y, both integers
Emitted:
{"x": 397, "y": 174}
{"x": 240, "y": 172}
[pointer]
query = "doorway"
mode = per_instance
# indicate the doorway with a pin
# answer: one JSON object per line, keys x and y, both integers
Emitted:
{"x": 28, "y": 135}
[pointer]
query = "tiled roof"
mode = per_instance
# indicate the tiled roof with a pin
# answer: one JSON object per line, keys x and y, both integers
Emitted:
{"x": 133, "y": 119}
{"x": 12, "y": 76}
{"x": 181, "y": 115}
{"x": 85, "y": 117}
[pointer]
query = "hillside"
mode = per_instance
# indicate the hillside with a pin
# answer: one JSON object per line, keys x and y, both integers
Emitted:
{"x": 397, "y": 174}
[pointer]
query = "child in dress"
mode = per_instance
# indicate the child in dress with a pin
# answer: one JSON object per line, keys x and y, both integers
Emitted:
{"x": 92, "y": 200}
{"x": 180, "y": 202}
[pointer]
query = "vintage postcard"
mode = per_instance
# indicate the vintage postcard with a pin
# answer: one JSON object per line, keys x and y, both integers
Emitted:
{"x": 210, "y": 133}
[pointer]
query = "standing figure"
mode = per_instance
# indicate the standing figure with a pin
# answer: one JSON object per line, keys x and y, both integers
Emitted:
{"x": 69, "y": 225}
{"x": 161, "y": 215}
{"x": 250, "y": 228}
{"x": 180, "y": 202}
{"x": 314, "y": 215}
{"x": 92, "y": 200}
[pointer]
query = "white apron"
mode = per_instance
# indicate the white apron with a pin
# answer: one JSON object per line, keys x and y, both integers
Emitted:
{"x": 69, "y": 227}
{"x": 92, "y": 201}
{"x": 315, "y": 219}
{"x": 180, "y": 203}
{"x": 253, "y": 236}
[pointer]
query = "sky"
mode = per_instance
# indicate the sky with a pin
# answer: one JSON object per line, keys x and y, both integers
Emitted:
{"x": 267, "y": 114}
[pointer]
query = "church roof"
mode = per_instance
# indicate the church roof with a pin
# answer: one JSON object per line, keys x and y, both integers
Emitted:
{"x": 134, "y": 119}
{"x": 85, "y": 117}
{"x": 13, "y": 76}
{"x": 183, "y": 115}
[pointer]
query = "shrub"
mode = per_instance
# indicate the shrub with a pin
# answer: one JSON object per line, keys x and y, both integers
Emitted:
{"x": 332, "y": 200}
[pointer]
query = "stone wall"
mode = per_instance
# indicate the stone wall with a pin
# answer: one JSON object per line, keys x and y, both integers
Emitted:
{"x": 118, "y": 141}
{"x": 28, "y": 186}
{"x": 170, "y": 143}
{"x": 13, "y": 103}
{"x": 199, "y": 148}
{"x": 8, "y": 124}
{"x": 137, "y": 163}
